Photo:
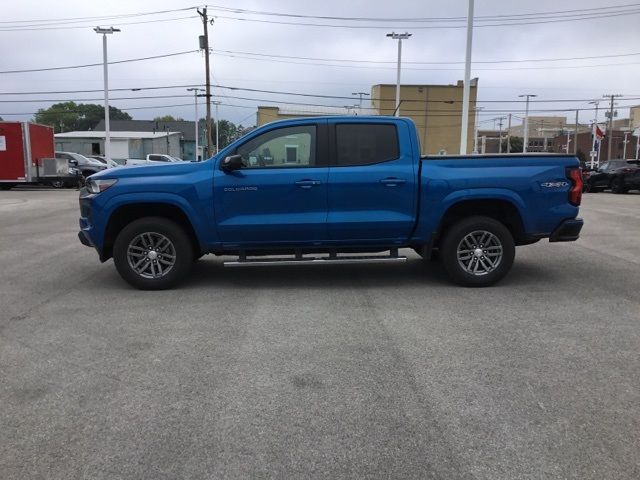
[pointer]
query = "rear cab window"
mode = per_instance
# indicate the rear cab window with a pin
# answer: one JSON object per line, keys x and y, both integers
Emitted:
{"x": 366, "y": 143}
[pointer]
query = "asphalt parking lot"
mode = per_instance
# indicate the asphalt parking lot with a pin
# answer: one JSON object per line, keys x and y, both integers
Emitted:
{"x": 368, "y": 371}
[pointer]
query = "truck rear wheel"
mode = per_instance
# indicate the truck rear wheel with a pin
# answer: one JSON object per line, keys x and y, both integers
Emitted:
{"x": 477, "y": 251}
{"x": 153, "y": 253}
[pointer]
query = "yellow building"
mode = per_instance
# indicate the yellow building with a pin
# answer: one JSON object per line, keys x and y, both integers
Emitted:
{"x": 435, "y": 109}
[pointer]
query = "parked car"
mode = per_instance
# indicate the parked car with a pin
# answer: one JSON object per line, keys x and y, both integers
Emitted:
{"x": 87, "y": 166}
{"x": 618, "y": 175}
{"x": 318, "y": 190}
{"x": 111, "y": 163}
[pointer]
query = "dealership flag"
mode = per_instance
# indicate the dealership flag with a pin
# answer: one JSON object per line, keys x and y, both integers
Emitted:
{"x": 597, "y": 131}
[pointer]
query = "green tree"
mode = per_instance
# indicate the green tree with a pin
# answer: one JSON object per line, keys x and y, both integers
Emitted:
{"x": 168, "y": 118}
{"x": 61, "y": 116}
{"x": 67, "y": 116}
{"x": 89, "y": 114}
{"x": 516, "y": 145}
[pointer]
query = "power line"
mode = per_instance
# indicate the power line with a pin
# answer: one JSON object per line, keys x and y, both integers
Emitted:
{"x": 107, "y": 17}
{"x": 594, "y": 16}
{"x": 32, "y": 29}
{"x": 69, "y": 67}
{"x": 423, "y": 19}
{"x": 425, "y": 69}
{"x": 100, "y": 90}
{"x": 351, "y": 60}
{"x": 271, "y": 92}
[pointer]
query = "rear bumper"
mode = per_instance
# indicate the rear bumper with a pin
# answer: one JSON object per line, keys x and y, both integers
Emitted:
{"x": 567, "y": 231}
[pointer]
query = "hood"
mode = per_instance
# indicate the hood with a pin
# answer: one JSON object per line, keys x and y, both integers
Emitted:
{"x": 150, "y": 170}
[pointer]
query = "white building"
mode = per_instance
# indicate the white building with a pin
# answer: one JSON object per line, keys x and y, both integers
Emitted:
{"x": 123, "y": 144}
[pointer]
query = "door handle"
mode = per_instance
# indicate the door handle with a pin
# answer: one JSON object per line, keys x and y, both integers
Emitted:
{"x": 392, "y": 181}
{"x": 307, "y": 183}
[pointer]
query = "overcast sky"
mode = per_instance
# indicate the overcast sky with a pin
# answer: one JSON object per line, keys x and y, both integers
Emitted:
{"x": 50, "y": 48}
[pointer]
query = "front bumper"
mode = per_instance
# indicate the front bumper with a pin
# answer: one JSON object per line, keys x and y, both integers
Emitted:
{"x": 567, "y": 231}
{"x": 84, "y": 239}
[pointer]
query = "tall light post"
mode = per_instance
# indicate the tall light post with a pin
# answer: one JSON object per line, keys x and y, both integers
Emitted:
{"x": 216, "y": 103}
{"x": 593, "y": 153}
{"x": 399, "y": 37}
{"x": 624, "y": 149}
{"x": 466, "y": 87}
{"x": 107, "y": 134}
{"x": 361, "y": 94}
{"x": 525, "y": 140}
{"x": 475, "y": 133}
{"x": 195, "y": 98}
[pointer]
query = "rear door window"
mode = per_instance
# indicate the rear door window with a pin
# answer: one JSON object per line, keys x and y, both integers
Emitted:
{"x": 365, "y": 144}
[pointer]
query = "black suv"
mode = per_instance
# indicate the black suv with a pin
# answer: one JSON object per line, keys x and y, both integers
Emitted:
{"x": 618, "y": 175}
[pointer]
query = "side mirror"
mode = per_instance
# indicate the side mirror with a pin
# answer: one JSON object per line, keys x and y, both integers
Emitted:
{"x": 73, "y": 162}
{"x": 231, "y": 163}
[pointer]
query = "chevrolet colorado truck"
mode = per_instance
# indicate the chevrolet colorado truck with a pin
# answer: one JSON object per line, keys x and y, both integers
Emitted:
{"x": 329, "y": 190}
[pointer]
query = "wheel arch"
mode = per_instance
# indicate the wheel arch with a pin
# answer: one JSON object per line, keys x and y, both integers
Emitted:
{"x": 500, "y": 209}
{"x": 127, "y": 213}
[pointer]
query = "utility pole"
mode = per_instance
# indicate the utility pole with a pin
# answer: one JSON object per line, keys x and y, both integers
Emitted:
{"x": 195, "y": 99}
{"x": 204, "y": 45}
{"x": 509, "y": 135}
{"x": 399, "y": 37}
{"x": 107, "y": 130}
{"x": 575, "y": 135}
{"x": 361, "y": 94}
{"x": 466, "y": 87}
{"x": 610, "y": 133}
{"x": 525, "y": 140}
{"x": 500, "y": 119}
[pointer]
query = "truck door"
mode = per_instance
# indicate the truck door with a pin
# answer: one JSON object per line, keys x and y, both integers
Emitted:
{"x": 279, "y": 196}
{"x": 372, "y": 182}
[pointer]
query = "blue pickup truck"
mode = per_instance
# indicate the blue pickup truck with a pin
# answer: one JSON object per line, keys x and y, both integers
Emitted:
{"x": 329, "y": 190}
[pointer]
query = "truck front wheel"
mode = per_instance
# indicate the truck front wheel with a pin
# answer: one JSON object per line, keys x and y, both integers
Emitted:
{"x": 153, "y": 253}
{"x": 477, "y": 251}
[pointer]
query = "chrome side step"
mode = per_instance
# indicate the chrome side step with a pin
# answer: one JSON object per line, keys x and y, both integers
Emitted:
{"x": 302, "y": 260}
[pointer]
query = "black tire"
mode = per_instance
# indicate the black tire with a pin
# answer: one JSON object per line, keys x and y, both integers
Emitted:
{"x": 181, "y": 248}
{"x": 58, "y": 184}
{"x": 500, "y": 237}
{"x": 617, "y": 186}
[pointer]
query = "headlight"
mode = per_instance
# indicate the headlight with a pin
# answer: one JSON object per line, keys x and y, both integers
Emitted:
{"x": 99, "y": 185}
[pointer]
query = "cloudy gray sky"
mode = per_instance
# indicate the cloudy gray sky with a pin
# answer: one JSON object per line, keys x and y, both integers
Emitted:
{"x": 31, "y": 39}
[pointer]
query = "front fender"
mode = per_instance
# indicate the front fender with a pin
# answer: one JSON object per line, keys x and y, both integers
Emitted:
{"x": 110, "y": 205}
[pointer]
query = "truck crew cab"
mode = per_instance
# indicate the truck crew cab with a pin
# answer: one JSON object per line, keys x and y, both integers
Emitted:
{"x": 320, "y": 190}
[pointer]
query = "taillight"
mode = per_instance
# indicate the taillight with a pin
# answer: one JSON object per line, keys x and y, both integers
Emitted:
{"x": 575, "y": 193}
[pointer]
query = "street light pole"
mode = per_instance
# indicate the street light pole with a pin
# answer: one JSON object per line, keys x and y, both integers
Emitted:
{"x": 217, "y": 127}
{"x": 466, "y": 87}
{"x": 592, "y": 153}
{"x": 195, "y": 98}
{"x": 475, "y": 132}
{"x": 525, "y": 140}
{"x": 624, "y": 149}
{"x": 107, "y": 132}
{"x": 399, "y": 37}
